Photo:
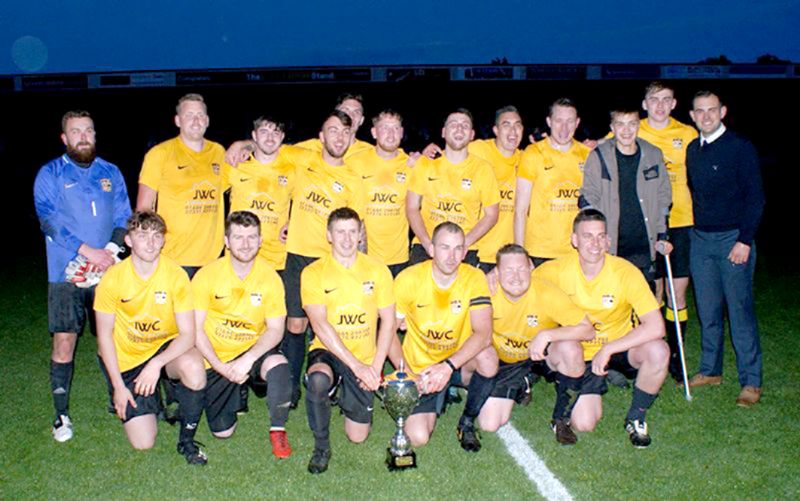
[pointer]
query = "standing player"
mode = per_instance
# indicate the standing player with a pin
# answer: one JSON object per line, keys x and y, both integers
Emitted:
{"x": 725, "y": 178}
{"x": 239, "y": 316}
{"x": 548, "y": 186}
{"x": 353, "y": 106}
{"x": 323, "y": 184}
{"x": 83, "y": 205}
{"x": 456, "y": 187}
{"x": 626, "y": 180}
{"x": 345, "y": 294}
{"x": 264, "y": 184}
{"x": 536, "y": 329}
{"x": 447, "y": 312}
{"x": 181, "y": 179}
{"x": 384, "y": 173}
{"x": 628, "y": 324}
{"x": 503, "y": 155}
{"x": 145, "y": 329}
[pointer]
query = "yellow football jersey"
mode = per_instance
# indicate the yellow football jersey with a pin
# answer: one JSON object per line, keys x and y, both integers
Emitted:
{"x": 455, "y": 193}
{"x": 319, "y": 189}
{"x": 352, "y": 297}
{"x": 190, "y": 188}
{"x": 505, "y": 171}
{"x": 315, "y": 145}
{"x": 437, "y": 320}
{"x": 516, "y": 323}
{"x": 236, "y": 309}
{"x": 144, "y": 309}
{"x": 557, "y": 178}
{"x": 266, "y": 190}
{"x": 385, "y": 187}
{"x": 672, "y": 141}
{"x": 610, "y": 299}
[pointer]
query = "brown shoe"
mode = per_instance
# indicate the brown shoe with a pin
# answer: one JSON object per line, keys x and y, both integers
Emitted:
{"x": 700, "y": 379}
{"x": 748, "y": 396}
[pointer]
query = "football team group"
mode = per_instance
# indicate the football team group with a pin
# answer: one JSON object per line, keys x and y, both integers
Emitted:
{"x": 473, "y": 265}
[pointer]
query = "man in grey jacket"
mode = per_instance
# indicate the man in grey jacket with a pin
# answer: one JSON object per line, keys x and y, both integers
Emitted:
{"x": 625, "y": 179}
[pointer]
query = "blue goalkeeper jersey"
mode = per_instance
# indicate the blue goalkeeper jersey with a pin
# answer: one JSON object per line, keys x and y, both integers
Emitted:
{"x": 78, "y": 205}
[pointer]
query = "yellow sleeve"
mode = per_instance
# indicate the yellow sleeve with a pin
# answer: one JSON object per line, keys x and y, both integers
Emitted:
{"x": 564, "y": 310}
{"x": 479, "y": 296}
{"x": 417, "y": 181}
{"x": 490, "y": 191}
{"x": 385, "y": 288}
{"x": 313, "y": 144}
{"x": 528, "y": 163}
{"x": 183, "y": 292}
{"x": 402, "y": 298}
{"x": 105, "y": 297}
{"x": 310, "y": 286}
{"x": 276, "y": 300}
{"x": 200, "y": 290}
{"x": 638, "y": 292}
{"x": 152, "y": 167}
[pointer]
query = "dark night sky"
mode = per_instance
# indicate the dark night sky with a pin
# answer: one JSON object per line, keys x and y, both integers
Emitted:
{"x": 91, "y": 35}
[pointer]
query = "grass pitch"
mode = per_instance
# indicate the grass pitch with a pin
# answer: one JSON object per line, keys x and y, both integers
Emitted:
{"x": 707, "y": 448}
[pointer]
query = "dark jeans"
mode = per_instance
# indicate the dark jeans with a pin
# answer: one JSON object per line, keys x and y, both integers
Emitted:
{"x": 717, "y": 283}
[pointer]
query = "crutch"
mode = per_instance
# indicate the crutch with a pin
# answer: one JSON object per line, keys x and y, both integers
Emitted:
{"x": 677, "y": 324}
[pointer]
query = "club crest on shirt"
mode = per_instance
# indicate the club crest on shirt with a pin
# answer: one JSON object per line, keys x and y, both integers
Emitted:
{"x": 255, "y": 298}
{"x": 608, "y": 300}
{"x": 455, "y": 306}
{"x": 466, "y": 184}
{"x": 677, "y": 143}
{"x": 283, "y": 180}
{"x": 337, "y": 187}
{"x": 400, "y": 177}
{"x": 105, "y": 184}
{"x": 215, "y": 168}
{"x": 161, "y": 297}
{"x": 580, "y": 165}
{"x": 533, "y": 320}
{"x": 369, "y": 287}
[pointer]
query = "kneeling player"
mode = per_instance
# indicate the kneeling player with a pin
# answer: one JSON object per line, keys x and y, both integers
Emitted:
{"x": 448, "y": 316}
{"x": 536, "y": 332}
{"x": 145, "y": 328}
{"x": 625, "y": 314}
{"x": 344, "y": 294}
{"x": 240, "y": 315}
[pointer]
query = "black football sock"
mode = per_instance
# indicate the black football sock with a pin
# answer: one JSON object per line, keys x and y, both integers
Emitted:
{"x": 60, "y": 382}
{"x": 567, "y": 392}
{"x": 318, "y": 408}
{"x": 478, "y": 391}
{"x": 279, "y": 392}
{"x": 191, "y": 407}
{"x": 293, "y": 347}
{"x": 640, "y": 402}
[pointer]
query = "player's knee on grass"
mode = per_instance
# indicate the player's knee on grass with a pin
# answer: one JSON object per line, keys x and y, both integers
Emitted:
{"x": 64, "y": 347}
{"x": 587, "y": 413}
{"x": 141, "y": 431}
{"x": 356, "y": 432}
{"x": 652, "y": 357}
{"x": 419, "y": 429}
{"x": 225, "y": 433}
{"x": 495, "y": 413}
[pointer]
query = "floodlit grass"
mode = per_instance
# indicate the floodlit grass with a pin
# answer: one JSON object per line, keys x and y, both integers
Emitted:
{"x": 707, "y": 448}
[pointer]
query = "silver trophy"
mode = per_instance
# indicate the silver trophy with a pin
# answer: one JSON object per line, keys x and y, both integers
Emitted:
{"x": 400, "y": 396}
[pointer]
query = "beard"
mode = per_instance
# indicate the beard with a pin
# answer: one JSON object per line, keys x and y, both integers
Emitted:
{"x": 82, "y": 155}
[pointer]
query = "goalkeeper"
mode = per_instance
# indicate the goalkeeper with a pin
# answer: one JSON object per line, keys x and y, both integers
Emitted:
{"x": 83, "y": 205}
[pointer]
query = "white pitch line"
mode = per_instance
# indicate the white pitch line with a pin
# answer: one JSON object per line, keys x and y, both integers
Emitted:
{"x": 538, "y": 473}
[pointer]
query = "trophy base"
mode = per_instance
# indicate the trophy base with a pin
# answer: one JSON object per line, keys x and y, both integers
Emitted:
{"x": 400, "y": 463}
